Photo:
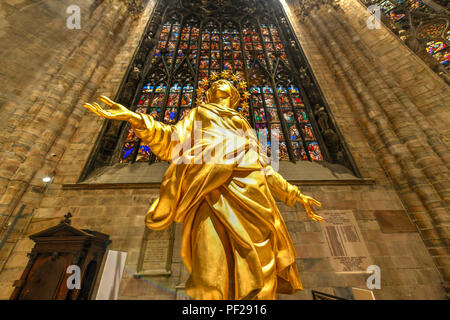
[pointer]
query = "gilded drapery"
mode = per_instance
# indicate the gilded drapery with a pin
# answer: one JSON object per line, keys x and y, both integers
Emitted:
{"x": 235, "y": 243}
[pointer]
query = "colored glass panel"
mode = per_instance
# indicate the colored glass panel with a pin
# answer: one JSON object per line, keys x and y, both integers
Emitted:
{"x": 191, "y": 50}
{"x": 435, "y": 46}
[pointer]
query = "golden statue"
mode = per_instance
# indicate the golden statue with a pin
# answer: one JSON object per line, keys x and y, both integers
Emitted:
{"x": 235, "y": 243}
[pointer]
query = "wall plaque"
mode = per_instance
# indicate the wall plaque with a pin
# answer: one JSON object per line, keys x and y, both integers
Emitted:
{"x": 156, "y": 252}
{"x": 347, "y": 248}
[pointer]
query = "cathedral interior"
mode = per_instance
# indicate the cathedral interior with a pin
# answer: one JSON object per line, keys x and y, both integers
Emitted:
{"x": 357, "y": 89}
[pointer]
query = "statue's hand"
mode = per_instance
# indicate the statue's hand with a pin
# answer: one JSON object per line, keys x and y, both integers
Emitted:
{"x": 117, "y": 111}
{"x": 307, "y": 203}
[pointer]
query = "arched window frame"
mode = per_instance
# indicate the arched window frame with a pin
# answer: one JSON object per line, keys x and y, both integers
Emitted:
{"x": 303, "y": 80}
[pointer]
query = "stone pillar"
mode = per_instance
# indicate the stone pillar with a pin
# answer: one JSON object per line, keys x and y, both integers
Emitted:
{"x": 409, "y": 148}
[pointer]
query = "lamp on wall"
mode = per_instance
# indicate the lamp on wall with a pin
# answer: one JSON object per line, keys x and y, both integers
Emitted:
{"x": 47, "y": 179}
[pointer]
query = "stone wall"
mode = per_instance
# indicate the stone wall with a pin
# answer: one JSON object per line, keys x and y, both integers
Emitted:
{"x": 43, "y": 137}
{"x": 407, "y": 269}
{"x": 33, "y": 36}
{"x": 386, "y": 94}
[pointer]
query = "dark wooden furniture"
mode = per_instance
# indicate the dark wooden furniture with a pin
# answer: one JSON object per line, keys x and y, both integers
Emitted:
{"x": 55, "y": 249}
{"x": 324, "y": 296}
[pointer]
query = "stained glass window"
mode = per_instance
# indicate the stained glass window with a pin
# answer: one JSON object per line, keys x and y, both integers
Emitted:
{"x": 386, "y": 6}
{"x": 432, "y": 28}
{"x": 189, "y": 49}
{"x": 395, "y": 10}
{"x": 435, "y": 46}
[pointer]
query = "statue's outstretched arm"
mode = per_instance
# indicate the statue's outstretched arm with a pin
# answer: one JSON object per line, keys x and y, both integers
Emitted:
{"x": 117, "y": 112}
{"x": 290, "y": 194}
{"x": 153, "y": 133}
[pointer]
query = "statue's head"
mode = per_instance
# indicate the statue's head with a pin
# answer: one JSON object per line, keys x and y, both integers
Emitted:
{"x": 223, "y": 89}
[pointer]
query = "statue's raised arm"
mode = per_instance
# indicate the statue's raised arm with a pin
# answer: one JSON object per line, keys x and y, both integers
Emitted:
{"x": 117, "y": 112}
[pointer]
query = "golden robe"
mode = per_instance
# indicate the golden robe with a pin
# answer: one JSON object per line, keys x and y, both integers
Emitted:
{"x": 235, "y": 243}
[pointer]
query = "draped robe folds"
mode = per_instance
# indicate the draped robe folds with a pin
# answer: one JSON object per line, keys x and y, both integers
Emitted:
{"x": 235, "y": 243}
